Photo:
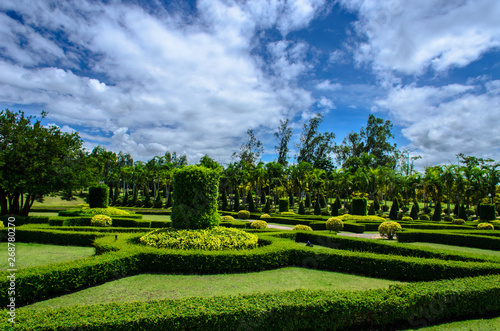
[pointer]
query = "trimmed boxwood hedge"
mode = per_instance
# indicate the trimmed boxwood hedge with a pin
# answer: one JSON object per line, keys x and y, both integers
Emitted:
{"x": 455, "y": 239}
{"x": 99, "y": 196}
{"x": 21, "y": 220}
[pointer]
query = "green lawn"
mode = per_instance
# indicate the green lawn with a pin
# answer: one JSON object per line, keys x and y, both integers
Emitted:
{"x": 150, "y": 217}
{"x": 478, "y": 251}
{"x": 469, "y": 325}
{"x": 30, "y": 254}
{"x": 59, "y": 201}
{"x": 147, "y": 287}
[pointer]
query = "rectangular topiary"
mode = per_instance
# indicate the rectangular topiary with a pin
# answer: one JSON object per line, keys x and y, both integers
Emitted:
{"x": 99, "y": 196}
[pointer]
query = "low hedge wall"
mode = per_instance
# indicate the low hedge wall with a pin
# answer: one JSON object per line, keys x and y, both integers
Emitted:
{"x": 408, "y": 305}
{"x": 455, "y": 239}
{"x": 117, "y": 222}
{"x": 21, "y": 220}
{"x": 129, "y": 258}
{"x": 54, "y": 237}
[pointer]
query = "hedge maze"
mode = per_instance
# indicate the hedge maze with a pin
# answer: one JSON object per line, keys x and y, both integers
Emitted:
{"x": 442, "y": 285}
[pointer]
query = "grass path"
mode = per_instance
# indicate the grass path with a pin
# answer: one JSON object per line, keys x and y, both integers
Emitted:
{"x": 491, "y": 324}
{"x": 147, "y": 287}
{"x": 30, "y": 254}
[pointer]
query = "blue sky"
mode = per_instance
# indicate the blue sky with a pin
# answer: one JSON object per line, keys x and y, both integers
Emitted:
{"x": 146, "y": 77}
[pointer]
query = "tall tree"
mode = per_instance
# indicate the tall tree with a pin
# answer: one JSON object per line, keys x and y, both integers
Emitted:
{"x": 283, "y": 136}
{"x": 373, "y": 140}
{"x": 251, "y": 150}
{"x": 31, "y": 159}
{"x": 315, "y": 147}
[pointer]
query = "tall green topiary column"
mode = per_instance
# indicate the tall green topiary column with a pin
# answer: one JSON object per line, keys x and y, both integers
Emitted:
{"x": 359, "y": 206}
{"x": 99, "y": 196}
{"x": 195, "y": 198}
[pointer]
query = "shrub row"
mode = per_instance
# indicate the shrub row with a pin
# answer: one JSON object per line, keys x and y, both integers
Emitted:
{"x": 466, "y": 240}
{"x": 54, "y": 237}
{"x": 287, "y": 310}
{"x": 21, "y": 220}
{"x": 117, "y": 222}
{"x": 38, "y": 283}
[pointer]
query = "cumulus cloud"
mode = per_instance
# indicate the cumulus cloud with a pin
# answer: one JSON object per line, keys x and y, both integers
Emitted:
{"x": 410, "y": 37}
{"x": 444, "y": 121}
{"x": 155, "y": 83}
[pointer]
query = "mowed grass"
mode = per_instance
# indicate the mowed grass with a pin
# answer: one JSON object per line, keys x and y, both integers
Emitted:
{"x": 59, "y": 201}
{"x": 148, "y": 287}
{"x": 475, "y": 251}
{"x": 490, "y": 324}
{"x": 31, "y": 255}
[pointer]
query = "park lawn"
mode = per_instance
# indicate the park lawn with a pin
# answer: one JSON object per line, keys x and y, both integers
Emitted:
{"x": 478, "y": 251}
{"x": 59, "y": 201}
{"x": 31, "y": 255}
{"x": 487, "y": 324}
{"x": 152, "y": 217}
{"x": 148, "y": 287}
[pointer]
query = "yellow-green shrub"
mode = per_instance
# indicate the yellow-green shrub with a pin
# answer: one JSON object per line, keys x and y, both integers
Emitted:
{"x": 244, "y": 214}
{"x": 265, "y": 216}
{"x": 388, "y": 229}
{"x": 101, "y": 220}
{"x": 301, "y": 227}
{"x": 359, "y": 218}
{"x": 458, "y": 221}
{"x": 258, "y": 225}
{"x": 407, "y": 218}
{"x": 227, "y": 218}
{"x": 213, "y": 239}
{"x": 334, "y": 224}
{"x": 287, "y": 213}
{"x": 485, "y": 226}
{"x": 110, "y": 211}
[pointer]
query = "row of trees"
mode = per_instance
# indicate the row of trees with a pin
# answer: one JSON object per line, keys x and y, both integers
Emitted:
{"x": 36, "y": 161}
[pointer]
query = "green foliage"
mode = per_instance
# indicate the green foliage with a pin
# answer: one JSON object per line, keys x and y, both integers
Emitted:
{"x": 302, "y": 210}
{"x": 217, "y": 238}
{"x": 458, "y": 221}
{"x": 224, "y": 201}
{"x": 436, "y": 217}
{"x": 308, "y": 200}
{"x": 267, "y": 207}
{"x": 334, "y": 224}
{"x": 414, "y": 211}
{"x": 485, "y": 226}
{"x": 407, "y": 219}
{"x": 301, "y": 227}
{"x": 487, "y": 212}
{"x": 317, "y": 208}
{"x": 359, "y": 206}
{"x": 236, "y": 201}
{"x": 450, "y": 238}
{"x": 195, "y": 198}
{"x": 424, "y": 217}
{"x": 158, "y": 201}
{"x": 448, "y": 218}
{"x": 243, "y": 214}
{"x": 227, "y": 218}
{"x": 371, "y": 209}
{"x": 101, "y": 220}
{"x": 99, "y": 196}
{"x": 393, "y": 214}
{"x": 147, "y": 203}
{"x": 251, "y": 203}
{"x": 288, "y": 213}
{"x": 258, "y": 225}
{"x": 169, "y": 202}
{"x": 265, "y": 216}
{"x": 388, "y": 229}
{"x": 462, "y": 213}
{"x": 284, "y": 205}
{"x": 359, "y": 218}
{"x": 376, "y": 203}
{"x": 125, "y": 200}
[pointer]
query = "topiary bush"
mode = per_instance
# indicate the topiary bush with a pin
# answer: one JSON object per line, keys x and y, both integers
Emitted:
{"x": 424, "y": 217}
{"x": 244, "y": 214}
{"x": 227, "y": 218}
{"x": 334, "y": 224}
{"x": 98, "y": 196}
{"x": 195, "y": 198}
{"x": 388, "y": 229}
{"x": 436, "y": 216}
{"x": 448, "y": 218}
{"x": 301, "y": 227}
{"x": 487, "y": 212}
{"x": 265, "y": 216}
{"x": 485, "y": 226}
{"x": 258, "y": 225}
{"x": 101, "y": 220}
{"x": 406, "y": 218}
{"x": 359, "y": 206}
{"x": 393, "y": 214}
{"x": 458, "y": 221}
{"x": 284, "y": 205}
{"x": 288, "y": 213}
{"x": 414, "y": 211}
{"x": 214, "y": 239}
{"x": 302, "y": 210}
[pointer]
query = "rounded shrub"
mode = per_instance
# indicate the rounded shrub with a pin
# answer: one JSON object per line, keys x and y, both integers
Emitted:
{"x": 301, "y": 227}
{"x": 458, "y": 221}
{"x": 214, "y": 239}
{"x": 424, "y": 217}
{"x": 227, "y": 218}
{"x": 195, "y": 198}
{"x": 288, "y": 213}
{"x": 334, "y": 224}
{"x": 258, "y": 225}
{"x": 485, "y": 226}
{"x": 265, "y": 216}
{"x": 99, "y": 196}
{"x": 407, "y": 218}
{"x": 244, "y": 214}
{"x": 448, "y": 218}
{"x": 389, "y": 228}
{"x": 101, "y": 220}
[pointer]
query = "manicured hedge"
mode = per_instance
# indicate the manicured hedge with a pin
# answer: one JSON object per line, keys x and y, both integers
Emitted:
{"x": 21, "y": 220}
{"x": 55, "y": 237}
{"x": 408, "y": 305}
{"x": 99, "y": 196}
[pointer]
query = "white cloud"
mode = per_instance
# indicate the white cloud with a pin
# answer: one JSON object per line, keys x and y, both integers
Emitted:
{"x": 156, "y": 84}
{"x": 410, "y": 37}
{"x": 443, "y": 121}
{"x": 329, "y": 86}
